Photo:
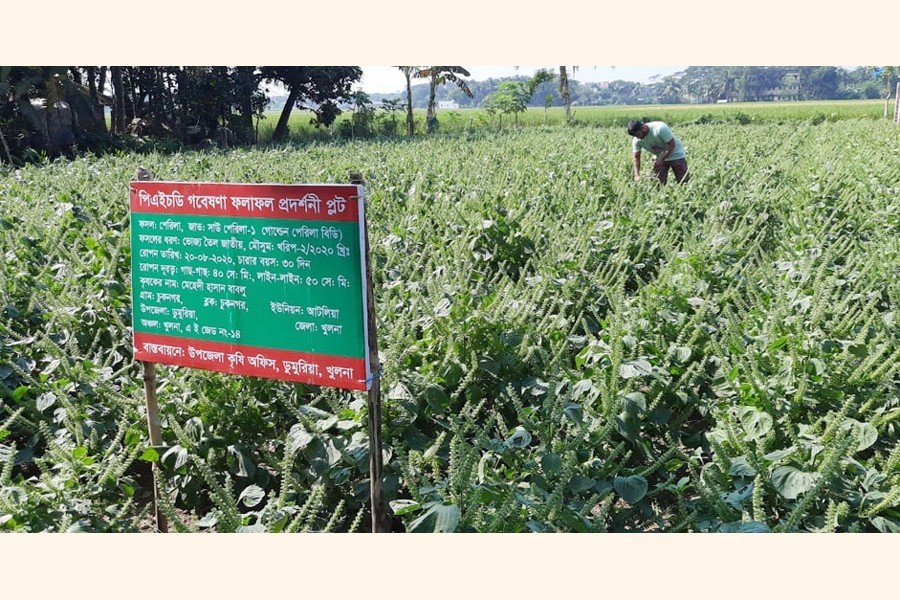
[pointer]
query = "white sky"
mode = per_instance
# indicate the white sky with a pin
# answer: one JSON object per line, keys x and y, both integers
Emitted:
{"x": 389, "y": 80}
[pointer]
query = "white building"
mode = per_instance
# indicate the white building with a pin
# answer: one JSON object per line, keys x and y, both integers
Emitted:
{"x": 448, "y": 104}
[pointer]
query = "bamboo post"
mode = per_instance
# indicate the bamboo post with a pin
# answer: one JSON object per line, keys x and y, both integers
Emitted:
{"x": 153, "y": 421}
{"x": 897, "y": 104}
{"x": 380, "y": 521}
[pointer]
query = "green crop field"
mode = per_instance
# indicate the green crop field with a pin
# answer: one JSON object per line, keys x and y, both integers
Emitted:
{"x": 476, "y": 119}
{"x": 563, "y": 349}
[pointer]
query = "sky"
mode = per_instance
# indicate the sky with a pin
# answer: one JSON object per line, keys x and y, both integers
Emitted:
{"x": 389, "y": 80}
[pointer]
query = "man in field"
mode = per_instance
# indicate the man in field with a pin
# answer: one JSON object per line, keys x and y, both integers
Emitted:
{"x": 656, "y": 137}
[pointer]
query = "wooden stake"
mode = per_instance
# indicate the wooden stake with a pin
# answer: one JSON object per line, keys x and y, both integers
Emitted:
{"x": 153, "y": 420}
{"x": 897, "y": 105}
{"x": 380, "y": 521}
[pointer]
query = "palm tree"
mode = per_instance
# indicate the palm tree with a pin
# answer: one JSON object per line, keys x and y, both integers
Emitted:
{"x": 439, "y": 76}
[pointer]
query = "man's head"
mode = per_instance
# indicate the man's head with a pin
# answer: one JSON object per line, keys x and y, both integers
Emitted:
{"x": 637, "y": 129}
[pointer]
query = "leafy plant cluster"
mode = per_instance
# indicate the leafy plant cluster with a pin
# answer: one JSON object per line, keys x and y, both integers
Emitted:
{"x": 562, "y": 349}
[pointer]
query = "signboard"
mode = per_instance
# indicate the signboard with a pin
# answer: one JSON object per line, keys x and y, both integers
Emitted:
{"x": 252, "y": 279}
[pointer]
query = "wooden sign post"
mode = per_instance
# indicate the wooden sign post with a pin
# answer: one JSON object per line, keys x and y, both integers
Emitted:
{"x": 380, "y": 522}
{"x": 897, "y": 105}
{"x": 266, "y": 280}
{"x": 153, "y": 421}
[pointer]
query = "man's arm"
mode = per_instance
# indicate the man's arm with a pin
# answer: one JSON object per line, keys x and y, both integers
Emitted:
{"x": 670, "y": 148}
{"x": 636, "y": 160}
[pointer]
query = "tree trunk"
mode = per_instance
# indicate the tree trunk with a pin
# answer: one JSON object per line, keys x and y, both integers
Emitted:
{"x": 564, "y": 92}
{"x": 154, "y": 94}
{"x": 245, "y": 105}
{"x": 130, "y": 96}
{"x": 410, "y": 122}
{"x": 246, "y": 119}
{"x": 6, "y": 148}
{"x": 92, "y": 83}
{"x": 432, "y": 90}
{"x": 101, "y": 80}
{"x": 96, "y": 105}
{"x": 430, "y": 115}
{"x": 118, "y": 109}
{"x": 281, "y": 130}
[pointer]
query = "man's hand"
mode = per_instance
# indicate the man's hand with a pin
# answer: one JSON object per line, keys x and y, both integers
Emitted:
{"x": 661, "y": 158}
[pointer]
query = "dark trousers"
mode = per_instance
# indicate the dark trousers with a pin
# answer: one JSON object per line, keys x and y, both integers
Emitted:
{"x": 679, "y": 168}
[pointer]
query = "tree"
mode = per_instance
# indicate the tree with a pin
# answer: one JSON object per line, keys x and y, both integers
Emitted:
{"x": 392, "y": 106}
{"x": 248, "y": 99}
{"x": 39, "y": 104}
{"x": 564, "y": 92}
{"x": 670, "y": 91}
{"x": 438, "y": 76}
{"x": 322, "y": 86}
{"x": 513, "y": 97}
{"x": 818, "y": 83}
{"x": 493, "y": 104}
{"x": 540, "y": 77}
{"x": 409, "y": 73}
{"x": 510, "y": 98}
{"x": 118, "y": 108}
{"x": 363, "y": 114}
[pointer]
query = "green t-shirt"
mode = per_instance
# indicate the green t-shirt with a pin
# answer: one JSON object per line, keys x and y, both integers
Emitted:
{"x": 656, "y": 139}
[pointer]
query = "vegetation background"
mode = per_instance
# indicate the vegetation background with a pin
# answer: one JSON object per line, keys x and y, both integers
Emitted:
{"x": 701, "y": 33}
{"x": 50, "y": 111}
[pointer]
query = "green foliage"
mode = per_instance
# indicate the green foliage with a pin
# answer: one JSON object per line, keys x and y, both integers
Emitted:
{"x": 562, "y": 350}
{"x": 511, "y": 98}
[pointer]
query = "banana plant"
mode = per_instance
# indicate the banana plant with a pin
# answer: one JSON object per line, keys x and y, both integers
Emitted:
{"x": 438, "y": 76}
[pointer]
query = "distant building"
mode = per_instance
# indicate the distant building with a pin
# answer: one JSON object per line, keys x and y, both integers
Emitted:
{"x": 452, "y": 104}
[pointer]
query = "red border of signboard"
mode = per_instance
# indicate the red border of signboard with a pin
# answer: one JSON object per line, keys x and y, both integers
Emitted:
{"x": 203, "y": 347}
{"x": 179, "y": 205}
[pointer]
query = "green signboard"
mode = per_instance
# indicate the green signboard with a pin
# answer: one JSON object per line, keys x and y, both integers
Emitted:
{"x": 253, "y": 279}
